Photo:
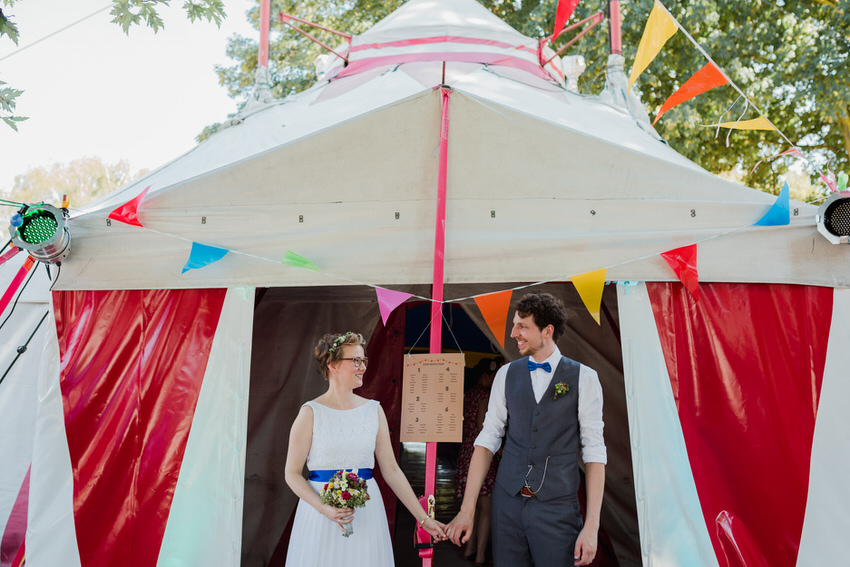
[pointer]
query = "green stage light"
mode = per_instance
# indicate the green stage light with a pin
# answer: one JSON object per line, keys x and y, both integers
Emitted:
{"x": 42, "y": 231}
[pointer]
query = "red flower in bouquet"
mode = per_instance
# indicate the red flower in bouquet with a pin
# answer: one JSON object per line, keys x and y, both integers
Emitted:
{"x": 345, "y": 490}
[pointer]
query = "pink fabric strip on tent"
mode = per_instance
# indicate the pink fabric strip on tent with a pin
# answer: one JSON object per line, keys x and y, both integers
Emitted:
{"x": 366, "y": 64}
{"x": 746, "y": 365}
{"x": 441, "y": 39}
{"x": 13, "y": 537}
{"x": 131, "y": 365}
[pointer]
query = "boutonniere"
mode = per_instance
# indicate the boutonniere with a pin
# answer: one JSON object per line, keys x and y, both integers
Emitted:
{"x": 561, "y": 388}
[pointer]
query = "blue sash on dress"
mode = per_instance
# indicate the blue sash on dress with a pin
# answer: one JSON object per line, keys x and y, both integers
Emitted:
{"x": 326, "y": 475}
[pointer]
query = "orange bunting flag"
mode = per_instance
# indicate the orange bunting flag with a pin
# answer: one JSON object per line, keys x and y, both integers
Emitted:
{"x": 562, "y": 15}
{"x": 494, "y": 307}
{"x": 589, "y": 287}
{"x": 684, "y": 263}
{"x": 760, "y": 123}
{"x": 660, "y": 27}
{"x": 703, "y": 80}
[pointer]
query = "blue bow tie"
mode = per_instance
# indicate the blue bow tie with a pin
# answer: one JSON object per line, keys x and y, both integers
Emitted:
{"x": 533, "y": 365}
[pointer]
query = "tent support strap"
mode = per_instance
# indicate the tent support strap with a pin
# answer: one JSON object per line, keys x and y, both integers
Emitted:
{"x": 427, "y": 555}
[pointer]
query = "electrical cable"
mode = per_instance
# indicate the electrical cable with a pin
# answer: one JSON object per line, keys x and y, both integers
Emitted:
{"x": 57, "y": 31}
{"x": 23, "y": 348}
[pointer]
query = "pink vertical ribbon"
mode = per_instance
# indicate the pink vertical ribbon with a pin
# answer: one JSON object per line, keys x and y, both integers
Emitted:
{"x": 16, "y": 283}
{"x": 427, "y": 555}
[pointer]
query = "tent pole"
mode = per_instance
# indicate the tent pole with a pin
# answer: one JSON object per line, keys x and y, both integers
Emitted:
{"x": 265, "y": 14}
{"x": 437, "y": 289}
{"x": 614, "y": 27}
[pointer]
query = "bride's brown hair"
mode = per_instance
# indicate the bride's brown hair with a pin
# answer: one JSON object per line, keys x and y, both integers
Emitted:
{"x": 329, "y": 348}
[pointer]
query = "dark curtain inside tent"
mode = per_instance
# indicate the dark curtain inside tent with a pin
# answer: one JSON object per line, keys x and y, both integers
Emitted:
{"x": 288, "y": 321}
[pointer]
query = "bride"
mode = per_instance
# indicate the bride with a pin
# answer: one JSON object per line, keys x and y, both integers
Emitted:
{"x": 341, "y": 430}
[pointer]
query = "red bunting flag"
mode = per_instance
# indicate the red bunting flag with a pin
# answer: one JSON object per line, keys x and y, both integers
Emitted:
{"x": 703, "y": 80}
{"x": 684, "y": 262}
{"x": 562, "y": 15}
{"x": 129, "y": 212}
{"x": 494, "y": 307}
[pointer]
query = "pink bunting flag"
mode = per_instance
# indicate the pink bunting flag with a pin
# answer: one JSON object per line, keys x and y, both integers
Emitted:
{"x": 129, "y": 212}
{"x": 562, "y": 15}
{"x": 703, "y": 80}
{"x": 684, "y": 263}
{"x": 388, "y": 300}
{"x": 792, "y": 152}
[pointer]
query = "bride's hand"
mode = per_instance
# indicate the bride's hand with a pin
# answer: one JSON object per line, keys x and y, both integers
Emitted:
{"x": 436, "y": 529}
{"x": 339, "y": 516}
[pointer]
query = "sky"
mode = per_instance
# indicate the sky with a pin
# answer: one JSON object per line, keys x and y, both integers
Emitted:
{"x": 92, "y": 91}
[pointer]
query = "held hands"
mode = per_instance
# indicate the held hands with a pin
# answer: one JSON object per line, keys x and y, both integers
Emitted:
{"x": 459, "y": 529}
{"x": 437, "y": 530}
{"x": 339, "y": 516}
{"x": 585, "y": 546}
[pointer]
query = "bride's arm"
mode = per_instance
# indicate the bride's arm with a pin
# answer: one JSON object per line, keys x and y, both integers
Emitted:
{"x": 396, "y": 480}
{"x": 300, "y": 439}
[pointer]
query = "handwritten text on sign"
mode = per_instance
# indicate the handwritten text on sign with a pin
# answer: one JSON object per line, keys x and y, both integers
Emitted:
{"x": 432, "y": 400}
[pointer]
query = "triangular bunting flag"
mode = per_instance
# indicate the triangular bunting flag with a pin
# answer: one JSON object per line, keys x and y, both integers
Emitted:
{"x": 760, "y": 123}
{"x": 203, "y": 255}
{"x": 388, "y": 300}
{"x": 659, "y": 28}
{"x": 589, "y": 287}
{"x": 494, "y": 307}
{"x": 129, "y": 212}
{"x": 562, "y": 15}
{"x": 293, "y": 259}
{"x": 703, "y": 80}
{"x": 780, "y": 213}
{"x": 684, "y": 262}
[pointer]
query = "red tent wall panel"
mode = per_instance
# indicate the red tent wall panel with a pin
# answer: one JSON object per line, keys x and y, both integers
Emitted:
{"x": 746, "y": 365}
{"x": 131, "y": 367}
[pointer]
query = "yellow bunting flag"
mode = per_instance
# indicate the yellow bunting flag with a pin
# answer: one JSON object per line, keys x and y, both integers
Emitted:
{"x": 494, "y": 307}
{"x": 760, "y": 123}
{"x": 589, "y": 287}
{"x": 659, "y": 28}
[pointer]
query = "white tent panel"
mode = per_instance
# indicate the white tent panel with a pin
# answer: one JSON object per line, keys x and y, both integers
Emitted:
{"x": 205, "y": 522}
{"x": 672, "y": 529}
{"x": 824, "y": 540}
{"x": 50, "y": 527}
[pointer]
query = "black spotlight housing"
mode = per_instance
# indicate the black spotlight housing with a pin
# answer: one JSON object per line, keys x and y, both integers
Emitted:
{"x": 833, "y": 218}
{"x": 42, "y": 230}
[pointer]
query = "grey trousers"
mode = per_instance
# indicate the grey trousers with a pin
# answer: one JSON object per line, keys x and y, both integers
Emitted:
{"x": 527, "y": 532}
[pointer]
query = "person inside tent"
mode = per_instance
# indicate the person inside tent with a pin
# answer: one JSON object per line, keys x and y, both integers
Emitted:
{"x": 340, "y": 430}
{"x": 474, "y": 408}
{"x": 545, "y": 406}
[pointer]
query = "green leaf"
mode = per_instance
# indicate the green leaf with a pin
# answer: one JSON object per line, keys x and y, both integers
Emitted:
{"x": 8, "y": 28}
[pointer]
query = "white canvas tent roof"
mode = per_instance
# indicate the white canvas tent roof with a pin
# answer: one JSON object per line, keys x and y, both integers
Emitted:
{"x": 354, "y": 160}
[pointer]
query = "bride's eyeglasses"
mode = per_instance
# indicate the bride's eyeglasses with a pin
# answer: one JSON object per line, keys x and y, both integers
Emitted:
{"x": 358, "y": 362}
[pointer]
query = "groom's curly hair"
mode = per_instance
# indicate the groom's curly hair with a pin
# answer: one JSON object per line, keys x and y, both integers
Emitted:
{"x": 545, "y": 309}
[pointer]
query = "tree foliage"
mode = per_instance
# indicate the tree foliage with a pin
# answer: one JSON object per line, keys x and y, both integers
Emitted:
{"x": 126, "y": 13}
{"x": 81, "y": 180}
{"x": 790, "y": 59}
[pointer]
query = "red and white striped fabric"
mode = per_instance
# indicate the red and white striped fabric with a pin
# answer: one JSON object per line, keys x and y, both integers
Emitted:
{"x": 140, "y": 437}
{"x": 736, "y": 422}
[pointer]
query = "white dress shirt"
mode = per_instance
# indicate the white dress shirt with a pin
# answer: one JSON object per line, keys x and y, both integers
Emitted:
{"x": 589, "y": 409}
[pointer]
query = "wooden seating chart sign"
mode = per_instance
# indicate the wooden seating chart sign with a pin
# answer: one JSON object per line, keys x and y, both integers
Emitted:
{"x": 432, "y": 399}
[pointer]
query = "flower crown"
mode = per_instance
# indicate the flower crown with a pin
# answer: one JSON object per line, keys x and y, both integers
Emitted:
{"x": 338, "y": 341}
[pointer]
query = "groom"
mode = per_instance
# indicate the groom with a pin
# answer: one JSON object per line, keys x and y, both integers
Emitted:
{"x": 545, "y": 406}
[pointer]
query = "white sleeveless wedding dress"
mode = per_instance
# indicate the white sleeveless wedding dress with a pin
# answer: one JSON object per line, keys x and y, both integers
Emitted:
{"x": 342, "y": 439}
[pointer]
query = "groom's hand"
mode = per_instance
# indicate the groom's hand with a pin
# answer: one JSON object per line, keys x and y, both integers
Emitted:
{"x": 460, "y": 528}
{"x": 585, "y": 546}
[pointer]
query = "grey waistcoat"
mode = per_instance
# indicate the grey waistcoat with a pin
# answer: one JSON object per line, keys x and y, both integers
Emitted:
{"x": 535, "y": 431}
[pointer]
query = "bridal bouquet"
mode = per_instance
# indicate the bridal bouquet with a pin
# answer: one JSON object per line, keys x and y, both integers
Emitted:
{"x": 345, "y": 490}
